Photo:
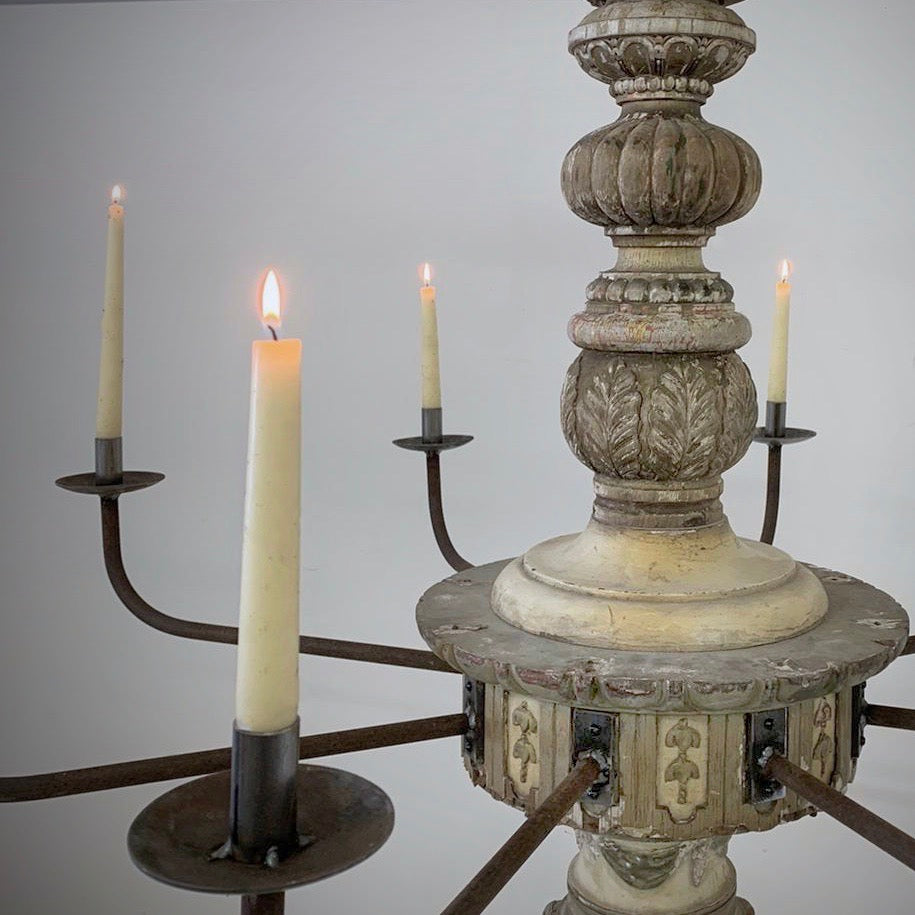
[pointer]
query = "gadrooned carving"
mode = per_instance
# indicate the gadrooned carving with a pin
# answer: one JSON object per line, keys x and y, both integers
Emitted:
{"x": 659, "y": 289}
{"x": 661, "y": 169}
{"x": 652, "y": 87}
{"x": 678, "y": 417}
{"x": 612, "y": 60}
{"x": 661, "y": 38}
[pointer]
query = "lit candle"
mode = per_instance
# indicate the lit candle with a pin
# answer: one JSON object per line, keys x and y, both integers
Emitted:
{"x": 778, "y": 358}
{"x": 108, "y": 417}
{"x": 432, "y": 387}
{"x": 267, "y": 685}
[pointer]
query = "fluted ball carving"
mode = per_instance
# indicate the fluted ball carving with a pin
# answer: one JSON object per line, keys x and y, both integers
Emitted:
{"x": 658, "y": 418}
{"x": 660, "y": 169}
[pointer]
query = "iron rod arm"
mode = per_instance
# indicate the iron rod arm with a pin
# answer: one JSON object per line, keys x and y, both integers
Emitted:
{"x": 505, "y": 863}
{"x": 773, "y": 493}
{"x": 909, "y": 646}
{"x": 228, "y": 635}
{"x": 437, "y": 514}
{"x": 205, "y": 762}
{"x": 269, "y": 904}
{"x": 888, "y": 716}
{"x": 851, "y": 814}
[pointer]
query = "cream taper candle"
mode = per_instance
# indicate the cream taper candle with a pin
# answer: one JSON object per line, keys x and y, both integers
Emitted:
{"x": 108, "y": 416}
{"x": 431, "y": 379}
{"x": 267, "y": 684}
{"x": 778, "y": 356}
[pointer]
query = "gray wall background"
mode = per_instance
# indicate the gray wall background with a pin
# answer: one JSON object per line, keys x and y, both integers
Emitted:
{"x": 346, "y": 142}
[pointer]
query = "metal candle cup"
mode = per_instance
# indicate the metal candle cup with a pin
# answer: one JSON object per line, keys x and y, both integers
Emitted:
{"x": 109, "y": 461}
{"x": 776, "y": 416}
{"x": 263, "y": 806}
{"x": 432, "y": 424}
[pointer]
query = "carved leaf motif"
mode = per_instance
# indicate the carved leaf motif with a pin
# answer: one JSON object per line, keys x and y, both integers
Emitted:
{"x": 623, "y": 408}
{"x": 568, "y": 411}
{"x": 740, "y": 412}
{"x": 608, "y": 421}
{"x": 682, "y": 420}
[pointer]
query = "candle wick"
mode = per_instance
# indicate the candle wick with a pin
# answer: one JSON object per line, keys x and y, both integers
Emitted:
{"x": 272, "y": 330}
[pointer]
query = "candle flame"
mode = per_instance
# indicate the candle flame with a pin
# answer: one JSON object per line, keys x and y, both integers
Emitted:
{"x": 270, "y": 299}
{"x": 785, "y": 269}
{"x": 427, "y": 274}
{"x": 117, "y": 193}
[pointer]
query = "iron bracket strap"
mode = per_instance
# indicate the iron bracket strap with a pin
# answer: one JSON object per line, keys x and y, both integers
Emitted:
{"x": 594, "y": 735}
{"x": 767, "y": 735}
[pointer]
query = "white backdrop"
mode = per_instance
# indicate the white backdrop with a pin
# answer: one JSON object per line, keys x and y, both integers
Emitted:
{"x": 345, "y": 142}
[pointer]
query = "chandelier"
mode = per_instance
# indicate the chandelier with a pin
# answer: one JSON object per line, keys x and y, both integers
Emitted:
{"x": 654, "y": 681}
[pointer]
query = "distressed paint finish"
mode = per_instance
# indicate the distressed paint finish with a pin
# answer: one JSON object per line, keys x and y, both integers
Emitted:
{"x": 657, "y": 614}
{"x": 861, "y": 634}
{"x": 650, "y": 800}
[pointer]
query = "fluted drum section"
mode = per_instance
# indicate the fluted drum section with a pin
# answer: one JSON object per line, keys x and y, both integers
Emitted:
{"x": 659, "y": 169}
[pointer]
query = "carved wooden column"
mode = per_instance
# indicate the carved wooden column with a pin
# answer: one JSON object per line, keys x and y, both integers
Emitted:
{"x": 656, "y": 639}
{"x": 658, "y": 405}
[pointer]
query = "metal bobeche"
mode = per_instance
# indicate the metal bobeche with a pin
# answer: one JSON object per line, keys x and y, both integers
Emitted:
{"x": 131, "y": 481}
{"x": 418, "y": 443}
{"x": 173, "y": 839}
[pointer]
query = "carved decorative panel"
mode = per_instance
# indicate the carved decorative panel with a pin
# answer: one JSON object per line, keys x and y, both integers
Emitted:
{"x": 683, "y": 749}
{"x": 523, "y": 743}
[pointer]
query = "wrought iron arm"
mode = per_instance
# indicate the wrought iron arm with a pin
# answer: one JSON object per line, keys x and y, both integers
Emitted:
{"x": 909, "y": 646}
{"x": 205, "y": 762}
{"x": 857, "y": 818}
{"x": 775, "y": 436}
{"x": 888, "y": 716}
{"x": 433, "y": 447}
{"x": 437, "y": 514}
{"x": 505, "y": 863}
{"x": 773, "y": 493}
{"x": 211, "y": 632}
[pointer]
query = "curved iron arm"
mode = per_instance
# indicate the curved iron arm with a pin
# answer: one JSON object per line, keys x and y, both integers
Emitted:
{"x": 775, "y": 436}
{"x": 204, "y": 762}
{"x": 433, "y": 446}
{"x": 773, "y": 494}
{"x": 437, "y": 514}
{"x": 211, "y": 632}
{"x": 884, "y": 835}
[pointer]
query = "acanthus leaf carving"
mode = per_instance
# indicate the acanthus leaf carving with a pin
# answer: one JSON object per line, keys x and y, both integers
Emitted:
{"x": 682, "y": 417}
{"x": 639, "y": 418}
{"x": 738, "y": 419}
